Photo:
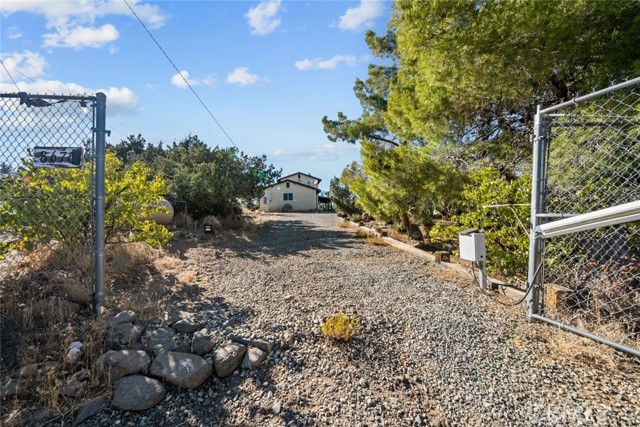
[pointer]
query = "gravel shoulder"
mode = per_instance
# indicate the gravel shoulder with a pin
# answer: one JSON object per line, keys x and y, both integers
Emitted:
{"x": 430, "y": 351}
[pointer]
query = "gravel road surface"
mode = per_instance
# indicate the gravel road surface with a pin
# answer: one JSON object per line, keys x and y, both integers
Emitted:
{"x": 430, "y": 351}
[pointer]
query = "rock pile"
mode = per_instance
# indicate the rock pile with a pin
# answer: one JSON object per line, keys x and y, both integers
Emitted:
{"x": 179, "y": 349}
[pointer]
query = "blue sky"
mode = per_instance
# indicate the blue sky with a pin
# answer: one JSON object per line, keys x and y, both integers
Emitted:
{"x": 268, "y": 70}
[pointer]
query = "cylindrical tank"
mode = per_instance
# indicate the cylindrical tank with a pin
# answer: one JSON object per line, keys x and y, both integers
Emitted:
{"x": 164, "y": 218}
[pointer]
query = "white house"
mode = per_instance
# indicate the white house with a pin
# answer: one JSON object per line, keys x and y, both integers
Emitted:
{"x": 295, "y": 192}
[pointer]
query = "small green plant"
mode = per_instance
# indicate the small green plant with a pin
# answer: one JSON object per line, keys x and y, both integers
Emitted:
{"x": 340, "y": 327}
{"x": 361, "y": 234}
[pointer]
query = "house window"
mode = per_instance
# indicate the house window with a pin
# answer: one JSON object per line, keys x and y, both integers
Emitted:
{"x": 265, "y": 200}
{"x": 287, "y": 196}
{"x": 288, "y": 185}
{"x": 309, "y": 183}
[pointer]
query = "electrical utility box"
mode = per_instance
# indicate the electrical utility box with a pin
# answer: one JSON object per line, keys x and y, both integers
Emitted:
{"x": 472, "y": 246}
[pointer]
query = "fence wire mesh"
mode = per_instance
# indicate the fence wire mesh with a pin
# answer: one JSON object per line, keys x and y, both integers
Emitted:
{"x": 592, "y": 278}
{"x": 46, "y": 197}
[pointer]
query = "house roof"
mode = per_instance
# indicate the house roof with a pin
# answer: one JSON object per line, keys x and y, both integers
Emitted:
{"x": 294, "y": 182}
{"x": 302, "y": 173}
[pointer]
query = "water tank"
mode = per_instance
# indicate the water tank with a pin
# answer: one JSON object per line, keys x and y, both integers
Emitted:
{"x": 164, "y": 218}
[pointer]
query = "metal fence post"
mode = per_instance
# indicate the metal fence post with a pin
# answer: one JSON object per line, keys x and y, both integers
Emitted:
{"x": 537, "y": 206}
{"x": 101, "y": 107}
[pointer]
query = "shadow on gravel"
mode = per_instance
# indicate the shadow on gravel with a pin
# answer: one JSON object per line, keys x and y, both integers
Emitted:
{"x": 285, "y": 237}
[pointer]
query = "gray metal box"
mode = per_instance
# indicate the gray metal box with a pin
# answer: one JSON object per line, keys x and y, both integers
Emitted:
{"x": 472, "y": 246}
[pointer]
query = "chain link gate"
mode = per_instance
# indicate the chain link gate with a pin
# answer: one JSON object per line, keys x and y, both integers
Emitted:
{"x": 52, "y": 196}
{"x": 584, "y": 260}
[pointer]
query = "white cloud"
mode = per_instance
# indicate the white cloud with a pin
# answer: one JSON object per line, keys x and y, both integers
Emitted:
{"x": 325, "y": 152}
{"x": 242, "y": 77}
{"x": 81, "y": 37}
{"x": 73, "y": 21}
{"x": 325, "y": 64}
{"x": 13, "y": 32}
{"x": 120, "y": 100}
{"x": 263, "y": 18}
{"x": 179, "y": 81}
{"x": 361, "y": 16}
{"x": 22, "y": 65}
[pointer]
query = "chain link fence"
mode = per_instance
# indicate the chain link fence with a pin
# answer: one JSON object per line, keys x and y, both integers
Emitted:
{"x": 588, "y": 159}
{"x": 47, "y": 197}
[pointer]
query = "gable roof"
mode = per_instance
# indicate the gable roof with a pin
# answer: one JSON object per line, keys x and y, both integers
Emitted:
{"x": 282, "y": 181}
{"x": 301, "y": 173}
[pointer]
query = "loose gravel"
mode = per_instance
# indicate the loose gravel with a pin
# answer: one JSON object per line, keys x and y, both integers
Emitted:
{"x": 429, "y": 352}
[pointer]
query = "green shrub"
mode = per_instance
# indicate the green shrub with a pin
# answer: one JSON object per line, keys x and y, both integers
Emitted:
{"x": 506, "y": 240}
{"x": 340, "y": 327}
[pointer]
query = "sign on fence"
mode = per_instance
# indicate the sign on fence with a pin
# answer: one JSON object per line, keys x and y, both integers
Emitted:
{"x": 57, "y": 157}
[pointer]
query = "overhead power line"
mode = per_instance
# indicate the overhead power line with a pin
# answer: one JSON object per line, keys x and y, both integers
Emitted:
{"x": 179, "y": 73}
{"x": 10, "y": 76}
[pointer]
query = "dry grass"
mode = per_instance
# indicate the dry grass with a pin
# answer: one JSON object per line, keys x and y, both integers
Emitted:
{"x": 344, "y": 223}
{"x": 45, "y": 370}
{"x": 57, "y": 256}
{"x": 361, "y": 234}
{"x": 127, "y": 257}
{"x": 36, "y": 327}
{"x": 555, "y": 344}
{"x": 376, "y": 241}
{"x": 187, "y": 277}
{"x": 167, "y": 264}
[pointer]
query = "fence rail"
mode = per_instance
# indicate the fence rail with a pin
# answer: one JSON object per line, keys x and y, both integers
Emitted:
{"x": 586, "y": 277}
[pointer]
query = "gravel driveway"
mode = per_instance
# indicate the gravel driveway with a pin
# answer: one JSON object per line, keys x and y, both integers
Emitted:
{"x": 429, "y": 351}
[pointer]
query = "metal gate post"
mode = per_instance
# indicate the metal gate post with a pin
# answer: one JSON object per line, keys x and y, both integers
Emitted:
{"x": 538, "y": 179}
{"x": 101, "y": 107}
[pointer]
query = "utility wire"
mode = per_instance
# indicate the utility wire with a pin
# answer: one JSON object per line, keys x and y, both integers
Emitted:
{"x": 178, "y": 71}
{"x": 32, "y": 80}
{"x": 10, "y": 76}
{"x": 24, "y": 75}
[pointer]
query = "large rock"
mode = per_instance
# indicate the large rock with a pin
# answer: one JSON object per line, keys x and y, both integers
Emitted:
{"x": 123, "y": 334}
{"x": 160, "y": 340}
{"x": 127, "y": 316}
{"x": 203, "y": 342}
{"x": 89, "y": 409}
{"x": 137, "y": 393}
{"x": 13, "y": 388}
{"x": 181, "y": 369}
{"x": 117, "y": 364}
{"x": 187, "y": 325}
{"x": 263, "y": 345}
{"x": 253, "y": 358}
{"x": 174, "y": 316}
{"x": 227, "y": 358}
{"x": 72, "y": 388}
{"x": 73, "y": 352}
